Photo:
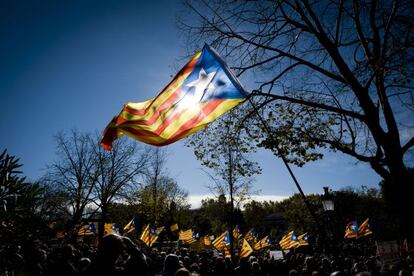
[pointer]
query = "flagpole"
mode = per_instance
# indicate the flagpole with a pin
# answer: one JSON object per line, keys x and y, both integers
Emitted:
{"x": 282, "y": 156}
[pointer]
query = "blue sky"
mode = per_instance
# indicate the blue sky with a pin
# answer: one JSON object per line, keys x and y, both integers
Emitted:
{"x": 73, "y": 64}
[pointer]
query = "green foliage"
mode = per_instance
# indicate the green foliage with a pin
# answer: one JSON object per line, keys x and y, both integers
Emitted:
{"x": 224, "y": 148}
{"x": 289, "y": 125}
{"x": 19, "y": 202}
{"x": 213, "y": 217}
{"x": 349, "y": 205}
{"x": 168, "y": 193}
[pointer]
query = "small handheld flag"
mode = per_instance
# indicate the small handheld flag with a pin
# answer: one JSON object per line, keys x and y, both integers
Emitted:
{"x": 302, "y": 240}
{"x": 111, "y": 228}
{"x": 263, "y": 243}
{"x": 245, "y": 250}
{"x": 149, "y": 236}
{"x": 130, "y": 227}
{"x": 289, "y": 240}
{"x": 351, "y": 230}
{"x": 221, "y": 241}
{"x": 201, "y": 92}
{"x": 364, "y": 229}
{"x": 236, "y": 232}
{"x": 250, "y": 236}
{"x": 87, "y": 230}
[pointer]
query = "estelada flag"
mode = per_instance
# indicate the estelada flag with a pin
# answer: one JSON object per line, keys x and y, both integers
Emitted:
{"x": 263, "y": 243}
{"x": 236, "y": 232}
{"x": 222, "y": 241}
{"x": 130, "y": 227}
{"x": 303, "y": 240}
{"x": 87, "y": 230}
{"x": 149, "y": 236}
{"x": 250, "y": 236}
{"x": 351, "y": 230}
{"x": 111, "y": 228}
{"x": 364, "y": 229}
{"x": 201, "y": 92}
{"x": 289, "y": 240}
{"x": 245, "y": 250}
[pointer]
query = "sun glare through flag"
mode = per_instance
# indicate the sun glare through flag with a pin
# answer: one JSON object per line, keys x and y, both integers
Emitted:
{"x": 201, "y": 92}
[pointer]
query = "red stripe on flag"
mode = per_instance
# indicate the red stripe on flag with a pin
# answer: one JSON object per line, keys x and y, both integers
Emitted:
{"x": 182, "y": 131}
{"x": 207, "y": 109}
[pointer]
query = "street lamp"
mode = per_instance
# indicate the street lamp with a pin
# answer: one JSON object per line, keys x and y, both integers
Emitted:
{"x": 327, "y": 200}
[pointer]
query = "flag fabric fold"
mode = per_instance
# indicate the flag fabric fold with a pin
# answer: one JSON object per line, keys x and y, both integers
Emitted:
{"x": 202, "y": 91}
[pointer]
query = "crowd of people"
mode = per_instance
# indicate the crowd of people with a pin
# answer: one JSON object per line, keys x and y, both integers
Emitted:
{"x": 118, "y": 255}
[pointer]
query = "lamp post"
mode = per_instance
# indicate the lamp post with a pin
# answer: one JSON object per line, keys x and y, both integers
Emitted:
{"x": 327, "y": 200}
{"x": 328, "y": 206}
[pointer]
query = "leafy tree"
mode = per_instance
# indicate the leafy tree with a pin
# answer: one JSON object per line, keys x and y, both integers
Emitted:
{"x": 223, "y": 148}
{"x": 159, "y": 195}
{"x": 255, "y": 211}
{"x": 168, "y": 193}
{"x": 217, "y": 213}
{"x": 328, "y": 74}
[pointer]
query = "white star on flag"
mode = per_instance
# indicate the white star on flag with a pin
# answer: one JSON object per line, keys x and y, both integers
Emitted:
{"x": 201, "y": 84}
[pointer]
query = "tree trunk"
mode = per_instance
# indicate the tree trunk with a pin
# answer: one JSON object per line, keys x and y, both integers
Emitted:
{"x": 398, "y": 194}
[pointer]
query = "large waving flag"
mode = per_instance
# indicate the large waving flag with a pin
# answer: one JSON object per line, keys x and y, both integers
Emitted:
{"x": 364, "y": 229}
{"x": 351, "y": 230}
{"x": 201, "y": 92}
{"x": 289, "y": 240}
